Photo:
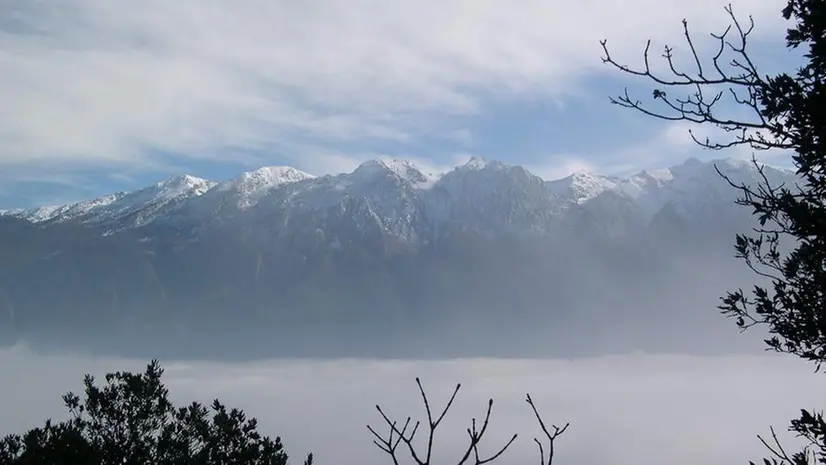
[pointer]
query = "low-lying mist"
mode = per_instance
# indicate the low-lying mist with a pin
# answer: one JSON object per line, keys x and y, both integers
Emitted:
{"x": 636, "y": 408}
{"x": 466, "y": 295}
{"x": 513, "y": 305}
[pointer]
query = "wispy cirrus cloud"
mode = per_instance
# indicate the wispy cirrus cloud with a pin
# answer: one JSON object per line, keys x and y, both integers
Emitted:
{"x": 91, "y": 82}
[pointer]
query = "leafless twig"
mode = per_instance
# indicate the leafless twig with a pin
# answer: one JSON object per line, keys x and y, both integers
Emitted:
{"x": 551, "y": 437}
{"x": 738, "y": 80}
{"x": 405, "y": 435}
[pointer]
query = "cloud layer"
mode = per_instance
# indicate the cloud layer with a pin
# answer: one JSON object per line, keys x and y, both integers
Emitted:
{"x": 641, "y": 409}
{"x": 90, "y": 82}
{"x": 671, "y": 145}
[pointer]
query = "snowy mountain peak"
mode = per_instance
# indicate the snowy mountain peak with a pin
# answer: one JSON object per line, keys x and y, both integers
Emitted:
{"x": 250, "y": 187}
{"x": 462, "y": 194}
{"x": 143, "y": 203}
{"x": 582, "y": 186}
{"x": 475, "y": 163}
{"x": 177, "y": 186}
{"x": 273, "y": 176}
{"x": 380, "y": 165}
{"x": 265, "y": 178}
{"x": 645, "y": 182}
{"x": 404, "y": 169}
{"x": 184, "y": 180}
{"x": 735, "y": 164}
{"x": 660, "y": 175}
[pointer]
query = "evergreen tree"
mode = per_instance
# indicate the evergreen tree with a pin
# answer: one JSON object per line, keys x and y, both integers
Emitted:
{"x": 131, "y": 421}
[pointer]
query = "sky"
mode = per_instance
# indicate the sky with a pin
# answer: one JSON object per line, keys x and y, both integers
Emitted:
{"x": 97, "y": 96}
{"x": 623, "y": 409}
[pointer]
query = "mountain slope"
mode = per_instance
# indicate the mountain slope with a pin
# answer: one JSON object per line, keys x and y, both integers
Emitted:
{"x": 131, "y": 209}
{"x": 491, "y": 192}
{"x": 389, "y": 260}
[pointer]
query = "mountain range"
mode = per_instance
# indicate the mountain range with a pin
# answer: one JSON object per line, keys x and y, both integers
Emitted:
{"x": 389, "y": 260}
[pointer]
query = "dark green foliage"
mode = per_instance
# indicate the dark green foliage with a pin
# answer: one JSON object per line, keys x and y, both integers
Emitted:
{"x": 788, "y": 248}
{"x": 130, "y": 420}
{"x": 795, "y": 307}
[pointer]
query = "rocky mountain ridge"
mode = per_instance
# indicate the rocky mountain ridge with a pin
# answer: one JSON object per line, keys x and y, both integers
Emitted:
{"x": 389, "y": 260}
{"x": 394, "y": 187}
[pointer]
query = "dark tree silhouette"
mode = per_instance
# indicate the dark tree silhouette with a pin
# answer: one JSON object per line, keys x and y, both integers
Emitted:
{"x": 786, "y": 112}
{"x": 130, "y": 420}
{"x": 406, "y": 433}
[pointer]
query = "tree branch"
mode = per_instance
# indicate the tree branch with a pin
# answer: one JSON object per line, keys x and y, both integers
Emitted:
{"x": 390, "y": 443}
{"x": 699, "y": 106}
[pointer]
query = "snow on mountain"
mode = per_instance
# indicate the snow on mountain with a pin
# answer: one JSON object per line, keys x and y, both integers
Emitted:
{"x": 405, "y": 170}
{"x": 384, "y": 193}
{"x": 581, "y": 187}
{"x": 66, "y": 212}
{"x": 475, "y": 163}
{"x": 694, "y": 186}
{"x": 182, "y": 186}
{"x": 405, "y": 199}
{"x": 491, "y": 197}
{"x": 645, "y": 181}
{"x": 649, "y": 189}
{"x": 246, "y": 190}
{"x": 141, "y": 203}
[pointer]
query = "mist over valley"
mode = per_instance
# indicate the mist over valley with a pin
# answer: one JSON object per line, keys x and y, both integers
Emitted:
{"x": 486, "y": 259}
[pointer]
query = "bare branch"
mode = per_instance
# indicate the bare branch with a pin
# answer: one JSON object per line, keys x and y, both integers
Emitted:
{"x": 699, "y": 105}
{"x": 396, "y": 436}
{"x": 551, "y": 437}
{"x": 406, "y": 439}
{"x": 390, "y": 443}
{"x": 476, "y": 437}
{"x": 776, "y": 450}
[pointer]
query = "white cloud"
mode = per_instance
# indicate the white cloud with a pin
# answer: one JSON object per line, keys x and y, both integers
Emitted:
{"x": 668, "y": 147}
{"x": 97, "y": 82}
{"x": 319, "y": 161}
{"x": 675, "y": 143}
{"x": 641, "y": 409}
{"x": 560, "y": 166}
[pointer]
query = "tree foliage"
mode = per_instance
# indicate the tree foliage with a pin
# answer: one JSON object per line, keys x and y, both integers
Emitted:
{"x": 130, "y": 420}
{"x": 786, "y": 111}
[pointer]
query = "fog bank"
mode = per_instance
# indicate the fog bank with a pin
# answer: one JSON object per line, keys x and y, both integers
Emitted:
{"x": 636, "y": 408}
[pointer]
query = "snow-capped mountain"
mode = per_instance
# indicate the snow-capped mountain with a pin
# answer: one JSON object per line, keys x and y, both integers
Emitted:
{"x": 284, "y": 262}
{"x": 246, "y": 190}
{"x": 488, "y": 197}
{"x": 405, "y": 170}
{"x": 581, "y": 187}
{"x": 135, "y": 209}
